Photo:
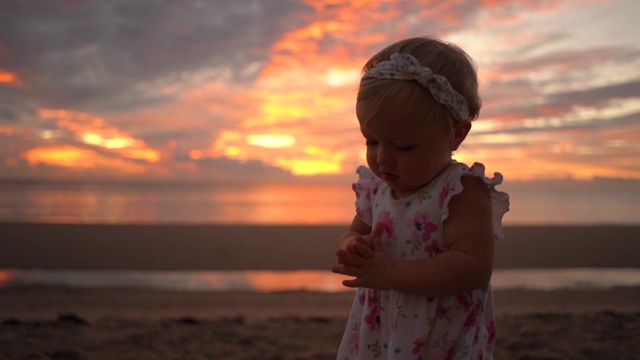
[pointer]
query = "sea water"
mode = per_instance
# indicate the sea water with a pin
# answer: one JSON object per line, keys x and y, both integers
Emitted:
{"x": 307, "y": 280}
{"x": 552, "y": 202}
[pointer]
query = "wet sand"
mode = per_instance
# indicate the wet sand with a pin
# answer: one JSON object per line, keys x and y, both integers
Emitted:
{"x": 240, "y": 247}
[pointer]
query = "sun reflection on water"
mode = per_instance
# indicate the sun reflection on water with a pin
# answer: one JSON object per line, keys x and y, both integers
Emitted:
{"x": 302, "y": 280}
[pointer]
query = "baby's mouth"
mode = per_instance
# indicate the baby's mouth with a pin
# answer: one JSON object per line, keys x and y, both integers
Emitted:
{"x": 388, "y": 176}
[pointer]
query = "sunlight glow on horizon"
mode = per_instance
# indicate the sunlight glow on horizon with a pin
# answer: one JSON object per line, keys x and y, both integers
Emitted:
{"x": 309, "y": 167}
{"x": 67, "y": 156}
{"x": 271, "y": 141}
{"x": 91, "y": 131}
{"x": 117, "y": 143}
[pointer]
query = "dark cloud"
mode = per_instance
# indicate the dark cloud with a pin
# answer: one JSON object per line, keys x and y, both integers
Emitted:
{"x": 589, "y": 125}
{"x": 100, "y": 54}
{"x": 519, "y": 100}
{"x": 233, "y": 170}
{"x": 14, "y": 107}
{"x": 569, "y": 59}
{"x": 516, "y": 95}
{"x": 597, "y": 96}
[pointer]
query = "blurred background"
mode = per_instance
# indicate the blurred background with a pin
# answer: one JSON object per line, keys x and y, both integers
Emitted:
{"x": 242, "y": 112}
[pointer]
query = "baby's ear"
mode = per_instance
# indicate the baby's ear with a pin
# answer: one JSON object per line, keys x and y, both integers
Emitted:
{"x": 460, "y": 132}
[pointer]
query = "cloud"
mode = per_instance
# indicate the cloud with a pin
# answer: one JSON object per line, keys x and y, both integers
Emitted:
{"x": 597, "y": 96}
{"x": 566, "y": 60}
{"x": 195, "y": 83}
{"x": 225, "y": 169}
{"x": 118, "y": 55}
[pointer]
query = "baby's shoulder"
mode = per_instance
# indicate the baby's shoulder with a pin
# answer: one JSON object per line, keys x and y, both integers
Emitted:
{"x": 367, "y": 182}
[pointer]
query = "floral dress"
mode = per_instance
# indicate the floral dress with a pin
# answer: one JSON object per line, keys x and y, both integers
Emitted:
{"x": 394, "y": 325}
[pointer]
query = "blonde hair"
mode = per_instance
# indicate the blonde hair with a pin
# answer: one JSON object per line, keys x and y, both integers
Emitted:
{"x": 442, "y": 58}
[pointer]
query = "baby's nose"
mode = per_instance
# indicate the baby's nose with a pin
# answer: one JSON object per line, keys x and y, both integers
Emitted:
{"x": 384, "y": 156}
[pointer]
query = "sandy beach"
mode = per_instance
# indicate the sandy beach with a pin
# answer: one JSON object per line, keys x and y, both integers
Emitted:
{"x": 58, "y": 323}
{"x": 42, "y": 322}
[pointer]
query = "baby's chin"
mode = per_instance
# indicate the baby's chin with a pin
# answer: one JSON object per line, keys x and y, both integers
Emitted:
{"x": 403, "y": 192}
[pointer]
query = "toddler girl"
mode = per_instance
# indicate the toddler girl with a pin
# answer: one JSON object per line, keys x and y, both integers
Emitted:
{"x": 421, "y": 246}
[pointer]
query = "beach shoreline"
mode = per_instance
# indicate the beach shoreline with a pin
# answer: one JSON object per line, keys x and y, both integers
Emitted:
{"x": 273, "y": 247}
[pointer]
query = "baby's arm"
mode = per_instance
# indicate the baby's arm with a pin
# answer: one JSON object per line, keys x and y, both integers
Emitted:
{"x": 466, "y": 266}
{"x": 357, "y": 229}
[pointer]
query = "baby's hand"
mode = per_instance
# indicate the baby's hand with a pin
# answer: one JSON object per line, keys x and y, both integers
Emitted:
{"x": 352, "y": 244}
{"x": 367, "y": 262}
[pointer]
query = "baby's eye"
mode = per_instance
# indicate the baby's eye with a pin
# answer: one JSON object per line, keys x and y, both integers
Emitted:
{"x": 406, "y": 148}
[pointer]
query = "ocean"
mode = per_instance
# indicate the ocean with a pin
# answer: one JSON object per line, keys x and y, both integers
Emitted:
{"x": 301, "y": 280}
{"x": 285, "y": 204}
{"x": 550, "y": 202}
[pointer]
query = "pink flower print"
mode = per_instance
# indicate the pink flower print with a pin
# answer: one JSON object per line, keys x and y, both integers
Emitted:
{"x": 445, "y": 194}
{"x": 446, "y": 352}
{"x": 429, "y": 228}
{"x": 442, "y": 312}
{"x": 388, "y": 234}
{"x": 373, "y": 319}
{"x": 418, "y": 344}
{"x": 466, "y": 300}
{"x": 372, "y": 298}
{"x": 476, "y": 336}
{"x": 491, "y": 332}
{"x": 361, "y": 298}
{"x": 421, "y": 227}
{"x": 471, "y": 318}
{"x": 433, "y": 249}
{"x": 417, "y": 223}
{"x": 394, "y": 321}
{"x": 354, "y": 343}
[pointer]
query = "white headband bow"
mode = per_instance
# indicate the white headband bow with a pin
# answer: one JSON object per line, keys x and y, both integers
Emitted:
{"x": 406, "y": 67}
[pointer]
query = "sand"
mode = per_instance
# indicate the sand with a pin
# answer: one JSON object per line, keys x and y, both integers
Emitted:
{"x": 59, "y": 323}
{"x": 241, "y": 247}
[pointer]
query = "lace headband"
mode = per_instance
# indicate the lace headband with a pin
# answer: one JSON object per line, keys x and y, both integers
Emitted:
{"x": 406, "y": 67}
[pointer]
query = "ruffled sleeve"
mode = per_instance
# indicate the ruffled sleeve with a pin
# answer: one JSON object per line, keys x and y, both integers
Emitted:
{"x": 499, "y": 199}
{"x": 367, "y": 185}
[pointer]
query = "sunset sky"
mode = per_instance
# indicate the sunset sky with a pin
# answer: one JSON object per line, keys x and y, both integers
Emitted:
{"x": 265, "y": 90}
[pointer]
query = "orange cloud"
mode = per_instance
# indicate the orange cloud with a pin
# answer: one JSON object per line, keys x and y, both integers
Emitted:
{"x": 67, "y": 156}
{"x": 79, "y": 158}
{"x": 94, "y": 131}
{"x": 302, "y": 94}
{"x": 7, "y": 77}
{"x": 7, "y": 130}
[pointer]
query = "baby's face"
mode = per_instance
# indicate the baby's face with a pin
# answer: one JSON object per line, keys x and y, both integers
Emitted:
{"x": 402, "y": 149}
